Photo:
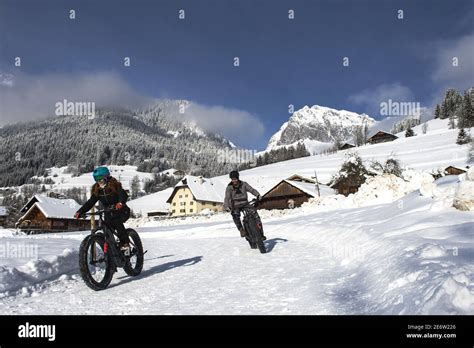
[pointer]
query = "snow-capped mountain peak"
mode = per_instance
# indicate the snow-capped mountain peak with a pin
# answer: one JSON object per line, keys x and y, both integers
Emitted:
{"x": 318, "y": 123}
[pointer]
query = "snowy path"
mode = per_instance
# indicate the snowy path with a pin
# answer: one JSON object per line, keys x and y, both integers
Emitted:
{"x": 376, "y": 259}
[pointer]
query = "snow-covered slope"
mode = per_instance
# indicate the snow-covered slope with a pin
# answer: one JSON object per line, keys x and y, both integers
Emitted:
{"x": 411, "y": 256}
{"x": 320, "y": 124}
{"x": 424, "y": 152}
{"x": 63, "y": 180}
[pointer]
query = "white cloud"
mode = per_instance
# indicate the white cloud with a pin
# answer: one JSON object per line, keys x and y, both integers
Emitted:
{"x": 370, "y": 99}
{"x": 445, "y": 75}
{"x": 31, "y": 97}
{"x": 239, "y": 126}
{"x": 26, "y": 97}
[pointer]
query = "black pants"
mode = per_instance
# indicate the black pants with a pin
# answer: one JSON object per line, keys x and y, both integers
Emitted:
{"x": 236, "y": 215}
{"x": 116, "y": 222}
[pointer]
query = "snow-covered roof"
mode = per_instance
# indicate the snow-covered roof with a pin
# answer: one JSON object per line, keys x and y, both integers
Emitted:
{"x": 307, "y": 188}
{"x": 300, "y": 177}
{"x": 172, "y": 171}
{"x": 3, "y": 211}
{"x": 155, "y": 202}
{"x": 311, "y": 189}
{"x": 203, "y": 189}
{"x": 374, "y": 132}
{"x": 52, "y": 207}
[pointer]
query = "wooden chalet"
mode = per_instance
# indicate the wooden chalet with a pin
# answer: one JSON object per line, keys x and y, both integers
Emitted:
{"x": 381, "y": 137}
{"x": 46, "y": 214}
{"x": 347, "y": 146}
{"x": 452, "y": 170}
{"x": 288, "y": 194}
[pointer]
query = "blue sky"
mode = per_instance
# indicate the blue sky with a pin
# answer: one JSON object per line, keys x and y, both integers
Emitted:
{"x": 282, "y": 61}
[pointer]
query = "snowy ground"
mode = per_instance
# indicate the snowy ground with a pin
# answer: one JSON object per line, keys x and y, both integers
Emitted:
{"x": 412, "y": 255}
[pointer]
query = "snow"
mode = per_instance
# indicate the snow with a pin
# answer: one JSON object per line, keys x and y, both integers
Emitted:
{"x": 397, "y": 246}
{"x": 401, "y": 257}
{"x": 124, "y": 174}
{"x": 436, "y": 149}
{"x": 464, "y": 195}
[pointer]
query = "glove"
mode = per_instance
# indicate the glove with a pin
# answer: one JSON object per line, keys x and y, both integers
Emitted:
{"x": 77, "y": 215}
{"x": 118, "y": 206}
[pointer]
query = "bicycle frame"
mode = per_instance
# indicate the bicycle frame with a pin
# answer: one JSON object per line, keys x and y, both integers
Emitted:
{"x": 110, "y": 246}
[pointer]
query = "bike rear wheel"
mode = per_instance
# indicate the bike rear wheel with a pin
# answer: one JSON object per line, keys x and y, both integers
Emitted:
{"x": 94, "y": 263}
{"x": 134, "y": 264}
{"x": 256, "y": 237}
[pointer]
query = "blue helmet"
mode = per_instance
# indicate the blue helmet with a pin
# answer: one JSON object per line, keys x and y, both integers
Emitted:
{"x": 101, "y": 173}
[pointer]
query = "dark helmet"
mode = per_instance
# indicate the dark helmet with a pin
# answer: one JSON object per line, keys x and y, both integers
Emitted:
{"x": 234, "y": 174}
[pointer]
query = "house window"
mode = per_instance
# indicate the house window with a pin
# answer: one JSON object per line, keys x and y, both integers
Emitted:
{"x": 191, "y": 203}
{"x": 183, "y": 203}
{"x": 182, "y": 210}
{"x": 190, "y": 210}
{"x": 173, "y": 211}
{"x": 180, "y": 196}
{"x": 214, "y": 204}
{"x": 174, "y": 204}
{"x": 186, "y": 196}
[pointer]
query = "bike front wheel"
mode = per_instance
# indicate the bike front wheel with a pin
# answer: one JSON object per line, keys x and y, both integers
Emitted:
{"x": 94, "y": 263}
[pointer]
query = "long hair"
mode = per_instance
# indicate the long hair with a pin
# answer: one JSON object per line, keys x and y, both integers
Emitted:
{"x": 113, "y": 186}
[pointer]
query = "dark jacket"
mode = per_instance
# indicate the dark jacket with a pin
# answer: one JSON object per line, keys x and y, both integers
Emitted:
{"x": 236, "y": 196}
{"x": 110, "y": 195}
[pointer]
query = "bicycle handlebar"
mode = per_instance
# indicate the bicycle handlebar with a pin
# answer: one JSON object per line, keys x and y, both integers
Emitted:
{"x": 98, "y": 212}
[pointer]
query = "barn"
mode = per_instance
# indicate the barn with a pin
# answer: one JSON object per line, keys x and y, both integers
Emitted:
{"x": 288, "y": 194}
{"x": 452, "y": 170}
{"x": 48, "y": 214}
{"x": 381, "y": 137}
{"x": 347, "y": 146}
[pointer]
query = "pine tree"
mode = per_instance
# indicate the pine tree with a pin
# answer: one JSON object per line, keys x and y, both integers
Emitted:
{"x": 409, "y": 132}
{"x": 463, "y": 137}
{"x": 466, "y": 117}
{"x": 470, "y": 154}
{"x": 135, "y": 186}
{"x": 437, "y": 111}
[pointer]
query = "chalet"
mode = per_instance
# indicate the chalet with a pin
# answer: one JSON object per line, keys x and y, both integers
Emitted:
{"x": 288, "y": 194}
{"x": 452, "y": 170}
{"x": 381, "y": 137}
{"x": 174, "y": 172}
{"x": 193, "y": 194}
{"x": 157, "y": 213}
{"x": 346, "y": 146}
{"x": 297, "y": 177}
{"x": 47, "y": 214}
{"x": 3, "y": 215}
